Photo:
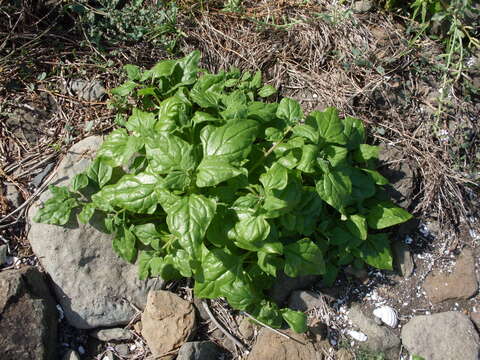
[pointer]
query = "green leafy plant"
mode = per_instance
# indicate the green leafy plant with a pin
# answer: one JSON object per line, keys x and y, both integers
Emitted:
{"x": 203, "y": 179}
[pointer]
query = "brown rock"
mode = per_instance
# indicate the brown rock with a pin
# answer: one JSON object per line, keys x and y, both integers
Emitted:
{"x": 271, "y": 346}
{"x": 28, "y": 317}
{"x": 402, "y": 259}
{"x": 167, "y": 322}
{"x": 460, "y": 284}
{"x": 344, "y": 354}
{"x": 247, "y": 328}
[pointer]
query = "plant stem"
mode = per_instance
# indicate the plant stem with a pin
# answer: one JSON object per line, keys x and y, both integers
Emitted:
{"x": 262, "y": 159}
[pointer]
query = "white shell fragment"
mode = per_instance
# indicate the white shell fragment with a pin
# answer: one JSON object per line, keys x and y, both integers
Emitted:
{"x": 357, "y": 335}
{"x": 387, "y": 315}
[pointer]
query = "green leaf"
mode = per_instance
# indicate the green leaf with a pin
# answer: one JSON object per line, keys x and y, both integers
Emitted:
{"x": 166, "y": 152}
{"x": 135, "y": 193}
{"x": 172, "y": 114}
{"x": 200, "y": 117}
{"x": 124, "y": 244}
{"x": 141, "y": 122}
{"x": 376, "y": 251}
{"x": 133, "y": 72}
{"x": 189, "y": 219}
{"x": 125, "y": 89}
{"x": 219, "y": 271}
{"x": 86, "y": 214}
{"x": 354, "y": 132}
{"x": 211, "y": 171}
{"x": 148, "y": 234}
{"x": 336, "y": 155}
{"x": 178, "y": 180}
{"x": 297, "y": 320}
{"x": 303, "y": 257}
{"x": 385, "y": 214}
{"x": 266, "y": 91}
{"x": 230, "y": 142}
{"x": 118, "y": 148}
{"x": 290, "y": 111}
{"x": 207, "y": 91}
{"x": 275, "y": 178}
{"x": 150, "y": 264}
{"x": 357, "y": 225}
{"x": 278, "y": 202}
{"x": 251, "y": 231}
{"x": 335, "y": 188}
{"x": 57, "y": 209}
{"x": 329, "y": 125}
{"x": 366, "y": 153}
{"x": 261, "y": 111}
{"x": 308, "y": 162}
{"x": 268, "y": 313}
{"x": 378, "y": 178}
{"x": 162, "y": 69}
{"x": 222, "y": 227}
{"x": 363, "y": 186}
{"x": 307, "y": 132}
{"x": 270, "y": 263}
{"x": 100, "y": 172}
{"x": 80, "y": 181}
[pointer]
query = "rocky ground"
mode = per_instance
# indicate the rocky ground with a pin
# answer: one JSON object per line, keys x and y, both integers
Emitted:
{"x": 64, "y": 294}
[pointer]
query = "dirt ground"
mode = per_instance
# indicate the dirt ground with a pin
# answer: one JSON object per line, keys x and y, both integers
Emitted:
{"x": 318, "y": 52}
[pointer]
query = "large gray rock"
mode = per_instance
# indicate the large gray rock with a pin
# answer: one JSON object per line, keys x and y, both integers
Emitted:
{"x": 380, "y": 338}
{"x": 93, "y": 285}
{"x": 28, "y": 317}
{"x": 444, "y": 336}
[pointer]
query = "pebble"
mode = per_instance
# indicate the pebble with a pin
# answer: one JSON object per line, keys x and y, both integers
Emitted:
{"x": 3, "y": 254}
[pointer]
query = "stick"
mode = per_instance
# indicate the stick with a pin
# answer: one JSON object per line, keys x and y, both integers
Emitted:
{"x": 222, "y": 329}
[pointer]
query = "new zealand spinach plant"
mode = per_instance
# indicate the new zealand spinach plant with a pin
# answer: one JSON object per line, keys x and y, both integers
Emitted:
{"x": 202, "y": 179}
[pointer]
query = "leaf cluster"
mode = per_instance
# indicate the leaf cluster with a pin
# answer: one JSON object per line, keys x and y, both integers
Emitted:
{"x": 205, "y": 179}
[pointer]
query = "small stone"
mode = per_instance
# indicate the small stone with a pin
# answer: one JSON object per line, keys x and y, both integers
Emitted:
{"x": 359, "y": 274}
{"x": 87, "y": 90}
{"x": 319, "y": 330}
{"x": 13, "y": 195}
{"x": 443, "y": 336}
{"x": 304, "y": 300}
{"x": 379, "y": 338}
{"x": 115, "y": 334}
{"x": 200, "y": 309}
{"x": 3, "y": 254}
{"x": 122, "y": 349}
{"x": 362, "y": 6}
{"x": 247, "y": 328}
{"x": 402, "y": 259}
{"x": 284, "y": 285}
{"x": 138, "y": 327}
{"x": 71, "y": 355}
{"x": 198, "y": 350}
{"x": 167, "y": 322}
{"x": 108, "y": 355}
{"x": 460, "y": 284}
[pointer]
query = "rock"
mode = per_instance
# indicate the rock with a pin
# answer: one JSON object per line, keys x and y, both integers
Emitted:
{"x": 92, "y": 283}
{"x": 122, "y": 350}
{"x": 344, "y": 354}
{"x": 108, "y": 355}
{"x": 198, "y": 350}
{"x": 115, "y": 334}
{"x": 402, "y": 259}
{"x": 359, "y": 274}
{"x": 13, "y": 195}
{"x": 475, "y": 317}
{"x": 167, "y": 322}
{"x": 271, "y": 346}
{"x": 200, "y": 309}
{"x": 319, "y": 330}
{"x": 3, "y": 254}
{"x": 400, "y": 173}
{"x": 380, "y": 338}
{"x": 362, "y": 6}
{"x": 247, "y": 328}
{"x": 460, "y": 284}
{"x": 304, "y": 300}
{"x": 138, "y": 327}
{"x": 443, "y": 336}
{"x": 71, "y": 355}
{"x": 87, "y": 90}
{"x": 284, "y": 285}
{"x": 28, "y": 317}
